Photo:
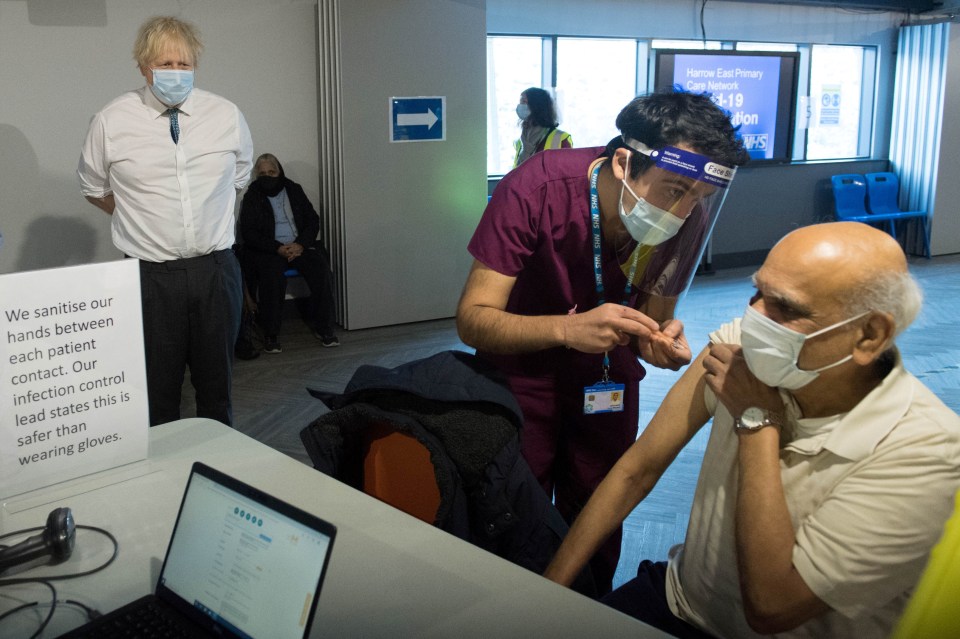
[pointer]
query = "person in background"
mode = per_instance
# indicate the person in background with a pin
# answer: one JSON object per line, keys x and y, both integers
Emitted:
{"x": 829, "y": 471}
{"x": 538, "y": 117}
{"x": 166, "y": 162}
{"x": 279, "y": 228}
{"x": 579, "y": 260}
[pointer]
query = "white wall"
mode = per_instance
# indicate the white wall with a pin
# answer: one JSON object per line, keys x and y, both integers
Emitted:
{"x": 62, "y": 60}
{"x": 410, "y": 208}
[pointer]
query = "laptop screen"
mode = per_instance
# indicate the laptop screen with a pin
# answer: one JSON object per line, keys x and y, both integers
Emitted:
{"x": 246, "y": 560}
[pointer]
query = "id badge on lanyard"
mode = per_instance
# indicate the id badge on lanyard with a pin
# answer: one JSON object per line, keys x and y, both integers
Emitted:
{"x": 605, "y": 396}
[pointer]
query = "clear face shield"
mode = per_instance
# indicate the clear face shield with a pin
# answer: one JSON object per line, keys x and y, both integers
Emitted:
{"x": 669, "y": 211}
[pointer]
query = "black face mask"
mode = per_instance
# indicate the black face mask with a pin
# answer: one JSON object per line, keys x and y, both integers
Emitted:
{"x": 270, "y": 185}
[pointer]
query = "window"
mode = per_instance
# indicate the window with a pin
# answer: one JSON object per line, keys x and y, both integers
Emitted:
{"x": 513, "y": 64}
{"x": 834, "y": 109}
{"x": 590, "y": 95}
{"x": 841, "y": 108}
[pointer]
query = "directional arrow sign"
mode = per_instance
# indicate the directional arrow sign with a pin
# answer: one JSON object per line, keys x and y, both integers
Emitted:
{"x": 418, "y": 119}
{"x": 427, "y": 119}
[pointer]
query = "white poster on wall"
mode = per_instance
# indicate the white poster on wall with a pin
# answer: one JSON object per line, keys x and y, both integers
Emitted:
{"x": 830, "y": 105}
{"x": 73, "y": 391}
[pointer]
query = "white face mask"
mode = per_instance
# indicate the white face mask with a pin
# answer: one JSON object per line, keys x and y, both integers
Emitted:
{"x": 523, "y": 111}
{"x": 646, "y": 223}
{"x": 772, "y": 350}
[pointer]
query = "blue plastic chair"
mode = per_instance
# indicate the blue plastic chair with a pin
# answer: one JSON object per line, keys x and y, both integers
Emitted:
{"x": 851, "y": 194}
{"x": 883, "y": 192}
{"x": 850, "y": 197}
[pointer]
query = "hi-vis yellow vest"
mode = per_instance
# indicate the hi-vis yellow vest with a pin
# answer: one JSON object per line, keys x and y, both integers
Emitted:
{"x": 554, "y": 140}
{"x": 933, "y": 610}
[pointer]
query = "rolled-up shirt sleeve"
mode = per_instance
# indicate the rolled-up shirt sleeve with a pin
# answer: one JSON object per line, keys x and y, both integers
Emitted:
{"x": 93, "y": 170}
{"x": 244, "y": 154}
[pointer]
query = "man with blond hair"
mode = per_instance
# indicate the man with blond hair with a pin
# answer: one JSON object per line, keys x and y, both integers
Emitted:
{"x": 166, "y": 162}
{"x": 829, "y": 472}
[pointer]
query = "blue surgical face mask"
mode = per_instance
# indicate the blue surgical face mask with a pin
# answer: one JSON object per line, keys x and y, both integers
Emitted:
{"x": 172, "y": 86}
{"x": 523, "y": 111}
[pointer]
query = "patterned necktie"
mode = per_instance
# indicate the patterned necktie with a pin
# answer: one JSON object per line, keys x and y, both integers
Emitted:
{"x": 174, "y": 124}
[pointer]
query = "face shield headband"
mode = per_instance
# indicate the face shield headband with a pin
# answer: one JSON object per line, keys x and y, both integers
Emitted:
{"x": 692, "y": 188}
{"x": 686, "y": 163}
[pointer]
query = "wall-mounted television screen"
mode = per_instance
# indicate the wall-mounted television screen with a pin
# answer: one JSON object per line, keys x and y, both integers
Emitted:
{"x": 758, "y": 89}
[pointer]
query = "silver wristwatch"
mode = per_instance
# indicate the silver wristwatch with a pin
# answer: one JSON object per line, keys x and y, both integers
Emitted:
{"x": 755, "y": 418}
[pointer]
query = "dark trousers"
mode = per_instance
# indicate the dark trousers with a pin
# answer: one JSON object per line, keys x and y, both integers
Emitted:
{"x": 191, "y": 316}
{"x": 570, "y": 453}
{"x": 645, "y": 597}
{"x": 267, "y": 271}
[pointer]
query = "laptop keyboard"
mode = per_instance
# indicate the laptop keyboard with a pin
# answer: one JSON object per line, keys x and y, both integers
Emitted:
{"x": 146, "y": 621}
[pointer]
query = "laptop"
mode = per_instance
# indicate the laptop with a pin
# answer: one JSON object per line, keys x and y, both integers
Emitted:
{"x": 240, "y": 563}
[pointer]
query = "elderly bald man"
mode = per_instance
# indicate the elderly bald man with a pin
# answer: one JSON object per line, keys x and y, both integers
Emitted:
{"x": 829, "y": 472}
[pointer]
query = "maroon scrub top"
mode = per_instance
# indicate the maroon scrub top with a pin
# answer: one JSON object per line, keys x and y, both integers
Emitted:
{"x": 537, "y": 228}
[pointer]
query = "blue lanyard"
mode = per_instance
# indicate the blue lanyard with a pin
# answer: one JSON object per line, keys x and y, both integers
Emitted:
{"x": 598, "y": 261}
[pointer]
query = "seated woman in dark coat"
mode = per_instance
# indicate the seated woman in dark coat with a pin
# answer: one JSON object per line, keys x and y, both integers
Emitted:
{"x": 279, "y": 227}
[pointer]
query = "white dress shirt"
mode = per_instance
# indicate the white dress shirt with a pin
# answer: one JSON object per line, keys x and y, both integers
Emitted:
{"x": 172, "y": 201}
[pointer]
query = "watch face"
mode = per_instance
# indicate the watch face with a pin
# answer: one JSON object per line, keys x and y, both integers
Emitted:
{"x": 753, "y": 418}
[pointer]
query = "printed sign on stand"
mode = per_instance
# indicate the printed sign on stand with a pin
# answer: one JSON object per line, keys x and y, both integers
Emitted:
{"x": 73, "y": 391}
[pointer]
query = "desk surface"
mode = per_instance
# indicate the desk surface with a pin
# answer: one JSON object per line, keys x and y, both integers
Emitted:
{"x": 390, "y": 574}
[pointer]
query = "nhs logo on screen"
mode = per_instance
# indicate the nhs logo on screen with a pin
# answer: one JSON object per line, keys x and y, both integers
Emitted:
{"x": 755, "y": 141}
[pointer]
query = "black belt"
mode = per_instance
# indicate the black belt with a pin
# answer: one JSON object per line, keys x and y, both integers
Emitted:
{"x": 186, "y": 263}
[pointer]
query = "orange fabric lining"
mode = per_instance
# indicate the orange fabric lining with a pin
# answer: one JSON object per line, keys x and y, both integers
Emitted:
{"x": 397, "y": 470}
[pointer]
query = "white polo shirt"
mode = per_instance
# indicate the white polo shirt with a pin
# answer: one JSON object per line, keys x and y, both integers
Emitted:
{"x": 172, "y": 200}
{"x": 868, "y": 491}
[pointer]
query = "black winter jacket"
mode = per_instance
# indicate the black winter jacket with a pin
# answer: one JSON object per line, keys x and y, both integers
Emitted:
{"x": 257, "y": 223}
{"x": 466, "y": 416}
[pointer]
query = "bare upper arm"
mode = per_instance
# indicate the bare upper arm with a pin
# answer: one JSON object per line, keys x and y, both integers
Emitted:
{"x": 485, "y": 287}
{"x": 482, "y": 304}
{"x": 681, "y": 414}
